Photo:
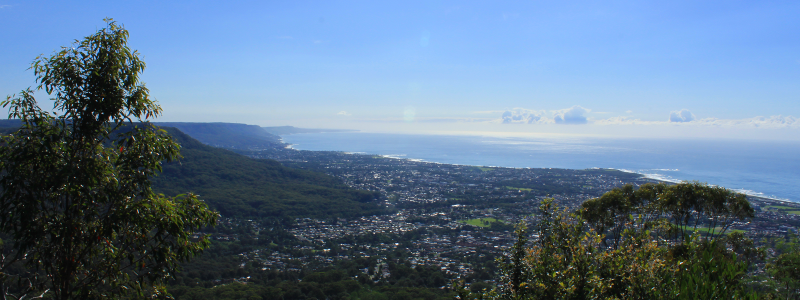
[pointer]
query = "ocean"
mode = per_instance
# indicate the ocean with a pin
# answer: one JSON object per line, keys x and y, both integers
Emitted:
{"x": 768, "y": 169}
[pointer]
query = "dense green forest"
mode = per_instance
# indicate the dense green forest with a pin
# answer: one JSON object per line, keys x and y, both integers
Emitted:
{"x": 228, "y": 135}
{"x": 236, "y": 185}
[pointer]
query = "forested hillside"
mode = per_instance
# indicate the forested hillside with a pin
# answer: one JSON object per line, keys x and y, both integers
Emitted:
{"x": 227, "y": 135}
{"x": 238, "y": 186}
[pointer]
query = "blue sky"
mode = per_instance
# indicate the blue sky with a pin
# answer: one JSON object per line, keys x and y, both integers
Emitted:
{"x": 728, "y": 69}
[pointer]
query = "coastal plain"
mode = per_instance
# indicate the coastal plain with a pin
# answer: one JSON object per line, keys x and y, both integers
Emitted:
{"x": 395, "y": 225}
{"x": 454, "y": 217}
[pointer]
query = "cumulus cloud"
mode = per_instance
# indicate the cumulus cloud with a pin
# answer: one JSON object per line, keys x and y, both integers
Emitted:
{"x": 577, "y": 115}
{"x": 681, "y": 116}
{"x": 343, "y": 113}
{"x": 572, "y": 115}
{"x": 524, "y": 116}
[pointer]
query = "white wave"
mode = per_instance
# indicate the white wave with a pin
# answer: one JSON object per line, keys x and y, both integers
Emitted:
{"x": 394, "y": 156}
{"x": 748, "y": 192}
{"x": 660, "y": 177}
{"x": 761, "y": 195}
{"x": 666, "y": 178}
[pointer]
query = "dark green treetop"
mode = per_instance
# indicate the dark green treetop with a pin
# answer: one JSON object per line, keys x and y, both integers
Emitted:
{"x": 77, "y": 214}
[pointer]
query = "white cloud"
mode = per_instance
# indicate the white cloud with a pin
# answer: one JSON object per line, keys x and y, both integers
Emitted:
{"x": 524, "y": 116}
{"x": 762, "y": 122}
{"x": 577, "y": 115}
{"x": 344, "y": 113}
{"x": 756, "y": 122}
{"x": 624, "y": 121}
{"x": 681, "y": 116}
{"x": 572, "y": 115}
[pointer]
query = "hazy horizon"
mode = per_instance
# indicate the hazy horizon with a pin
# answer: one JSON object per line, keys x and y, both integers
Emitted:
{"x": 681, "y": 69}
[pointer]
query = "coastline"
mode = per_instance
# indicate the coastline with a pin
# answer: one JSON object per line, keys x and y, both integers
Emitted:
{"x": 473, "y": 153}
{"x": 749, "y": 196}
{"x": 659, "y": 179}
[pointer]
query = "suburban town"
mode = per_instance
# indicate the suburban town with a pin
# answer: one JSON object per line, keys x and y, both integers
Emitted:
{"x": 456, "y": 218}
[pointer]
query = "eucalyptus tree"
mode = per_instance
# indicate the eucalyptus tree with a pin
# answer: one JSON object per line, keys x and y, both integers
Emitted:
{"x": 570, "y": 257}
{"x": 692, "y": 205}
{"x": 684, "y": 208}
{"x": 77, "y": 214}
{"x": 622, "y": 209}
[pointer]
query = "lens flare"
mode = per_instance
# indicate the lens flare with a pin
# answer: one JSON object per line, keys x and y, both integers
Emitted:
{"x": 409, "y": 113}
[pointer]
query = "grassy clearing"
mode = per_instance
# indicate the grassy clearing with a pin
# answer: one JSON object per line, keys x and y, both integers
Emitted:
{"x": 518, "y": 189}
{"x": 783, "y": 208}
{"x": 486, "y": 169}
{"x": 780, "y": 207}
{"x": 481, "y": 222}
{"x": 717, "y": 230}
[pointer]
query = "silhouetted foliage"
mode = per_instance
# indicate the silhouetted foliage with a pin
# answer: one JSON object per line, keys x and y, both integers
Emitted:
{"x": 79, "y": 218}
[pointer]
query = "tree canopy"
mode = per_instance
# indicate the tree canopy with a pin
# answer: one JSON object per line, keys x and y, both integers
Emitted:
{"x": 78, "y": 217}
{"x": 633, "y": 243}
